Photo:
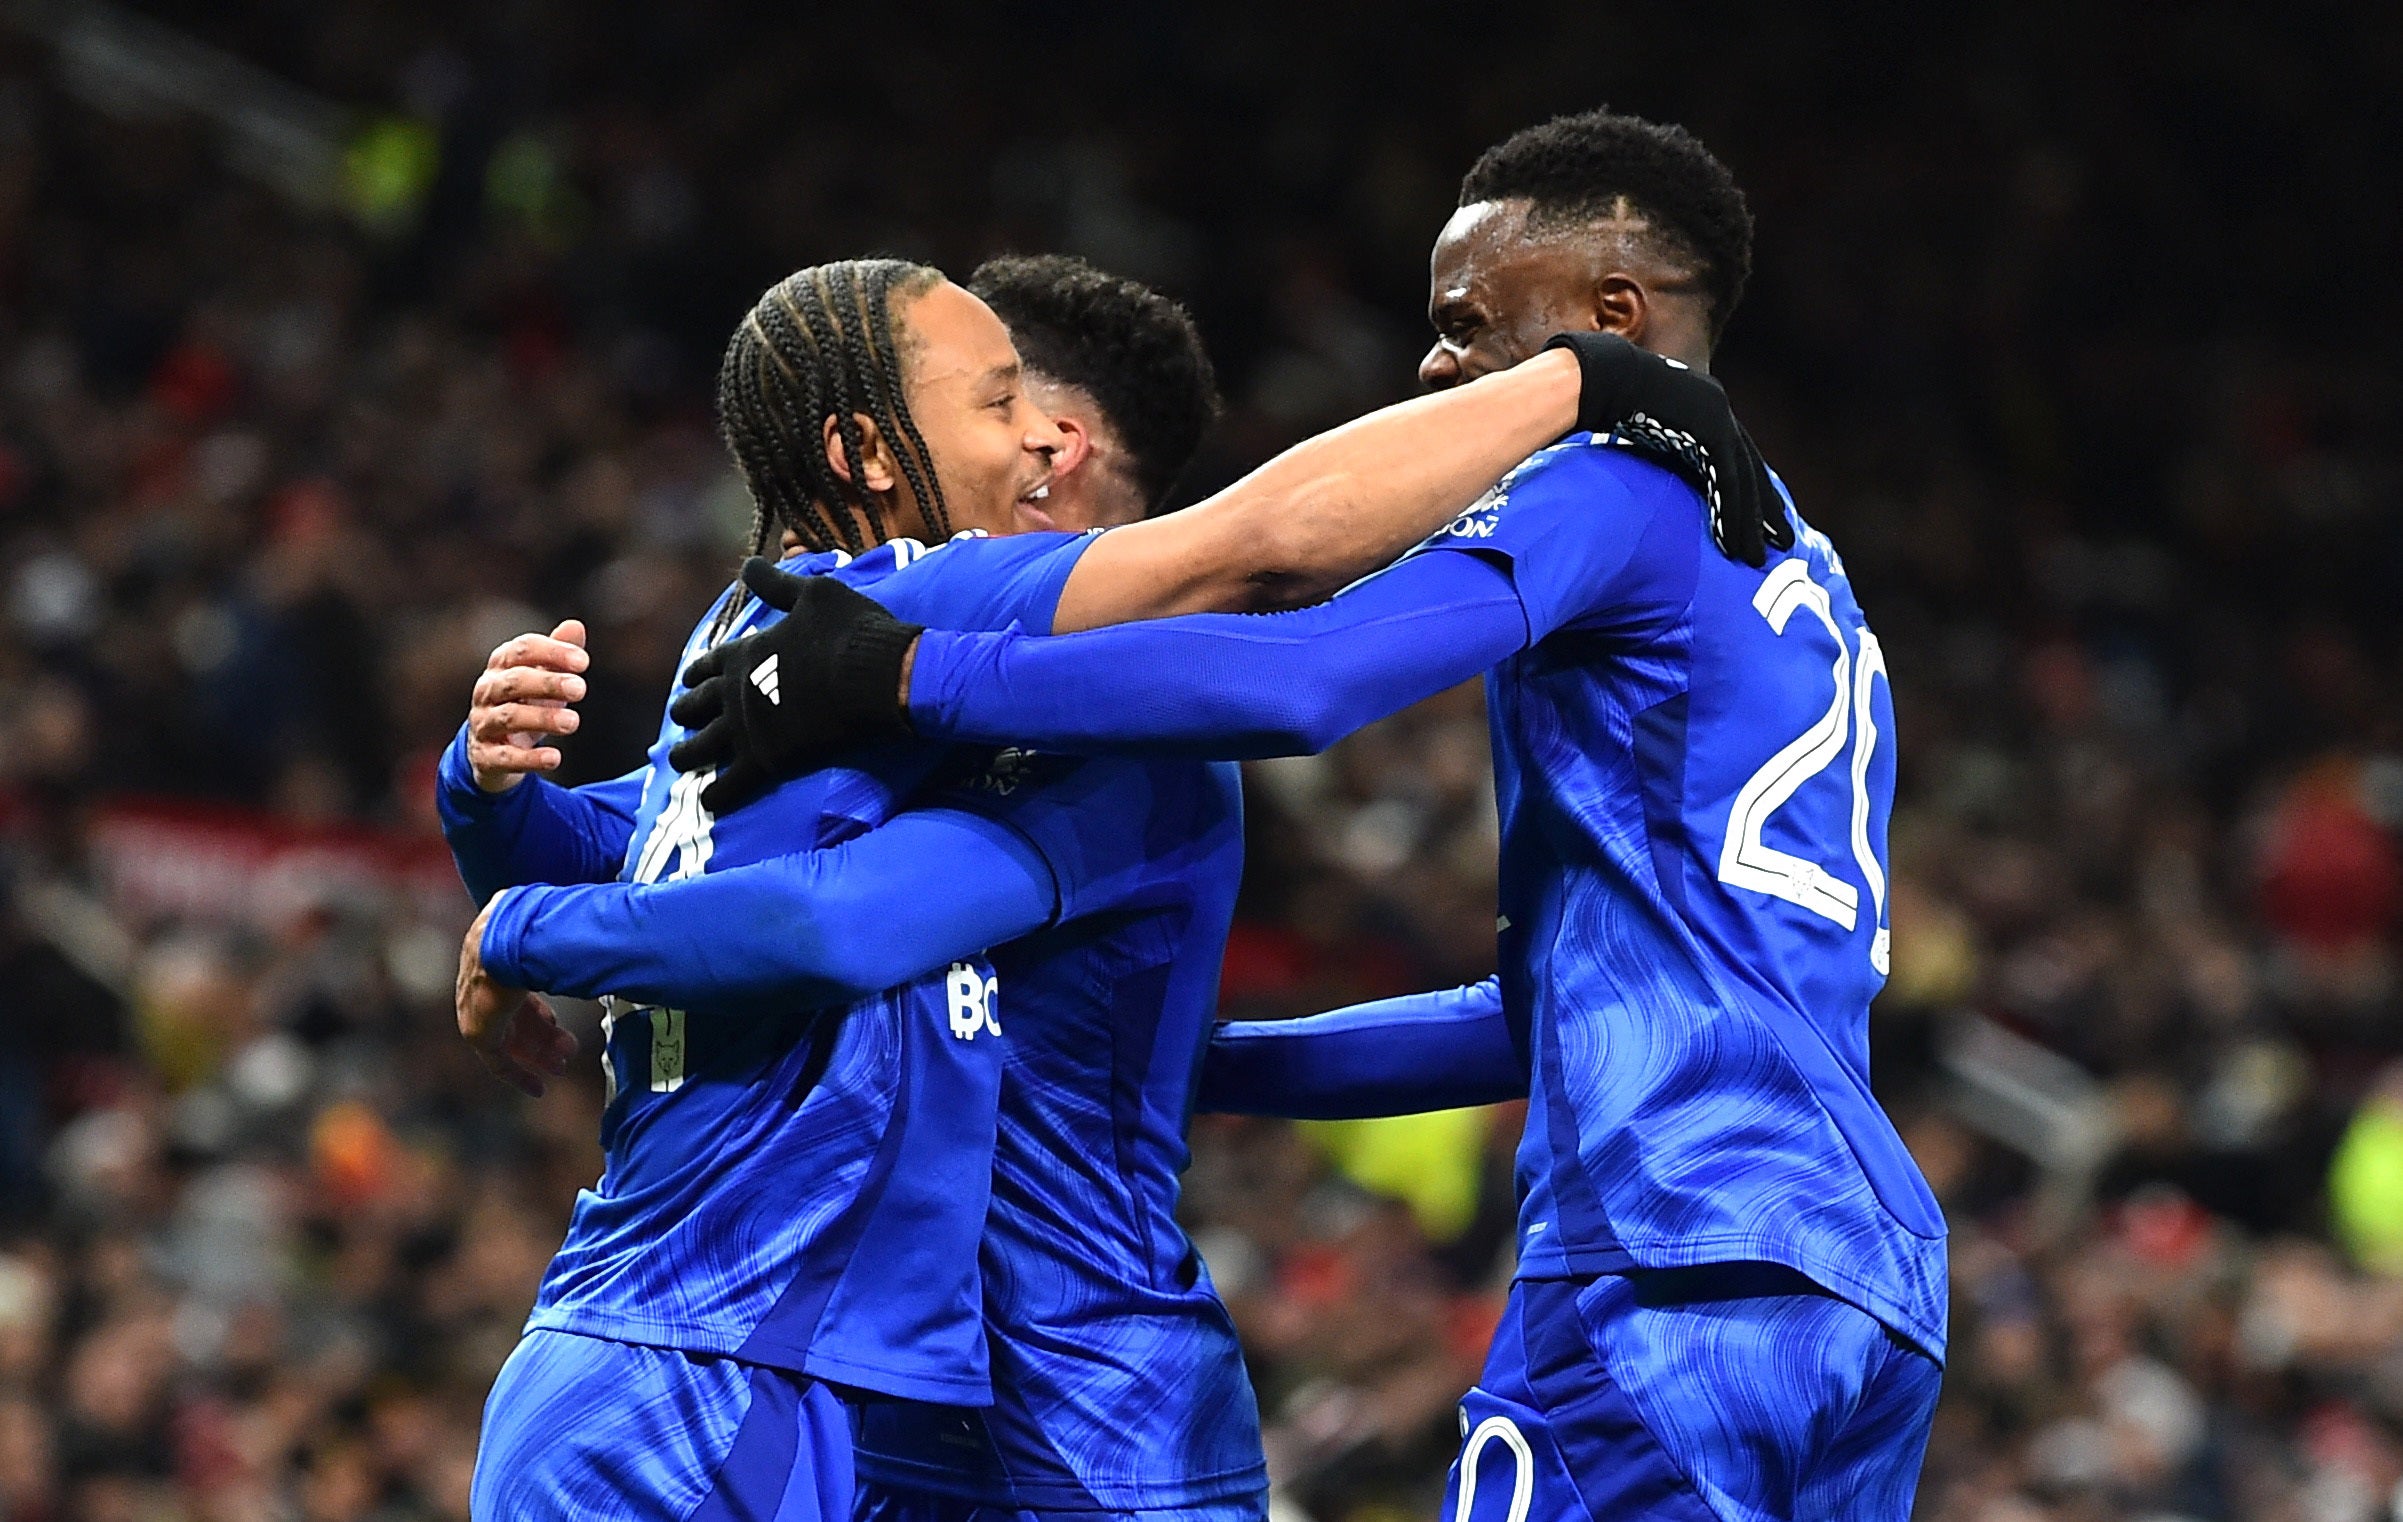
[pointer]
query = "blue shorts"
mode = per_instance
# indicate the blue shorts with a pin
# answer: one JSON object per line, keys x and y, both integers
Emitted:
{"x": 887, "y": 1503}
{"x": 582, "y": 1427}
{"x": 1735, "y": 1391}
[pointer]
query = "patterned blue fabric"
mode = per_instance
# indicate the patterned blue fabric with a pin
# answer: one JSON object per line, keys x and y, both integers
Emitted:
{"x": 581, "y": 1427}
{"x": 1119, "y": 1378}
{"x": 1118, "y": 1383}
{"x": 805, "y": 1188}
{"x": 1731, "y": 1393}
{"x": 1694, "y": 766}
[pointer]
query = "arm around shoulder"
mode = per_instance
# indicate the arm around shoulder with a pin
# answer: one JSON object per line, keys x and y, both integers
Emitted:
{"x": 1327, "y": 511}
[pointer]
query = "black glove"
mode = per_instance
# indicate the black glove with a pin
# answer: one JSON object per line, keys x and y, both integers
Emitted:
{"x": 777, "y": 703}
{"x": 1680, "y": 417}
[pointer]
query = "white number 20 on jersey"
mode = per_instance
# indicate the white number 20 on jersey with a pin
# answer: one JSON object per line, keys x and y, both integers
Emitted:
{"x": 1749, "y": 862}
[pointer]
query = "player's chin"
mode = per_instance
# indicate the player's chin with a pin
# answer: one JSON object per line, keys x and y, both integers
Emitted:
{"x": 1032, "y": 516}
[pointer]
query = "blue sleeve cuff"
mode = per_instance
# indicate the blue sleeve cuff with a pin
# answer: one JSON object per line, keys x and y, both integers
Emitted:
{"x": 503, "y": 947}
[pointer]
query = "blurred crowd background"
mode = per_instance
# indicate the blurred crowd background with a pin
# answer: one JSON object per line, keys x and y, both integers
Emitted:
{"x": 339, "y": 341}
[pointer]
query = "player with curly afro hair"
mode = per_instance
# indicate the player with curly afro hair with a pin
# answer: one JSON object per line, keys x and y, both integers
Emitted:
{"x": 1598, "y": 220}
{"x": 1123, "y": 371}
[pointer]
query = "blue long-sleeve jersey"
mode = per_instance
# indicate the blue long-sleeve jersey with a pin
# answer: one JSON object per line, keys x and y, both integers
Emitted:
{"x": 1694, "y": 768}
{"x": 1117, "y": 1379}
{"x": 796, "y": 1181}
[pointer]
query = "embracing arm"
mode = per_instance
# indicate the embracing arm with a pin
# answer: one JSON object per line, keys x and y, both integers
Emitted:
{"x": 1226, "y": 686}
{"x": 815, "y": 927}
{"x": 537, "y": 831}
{"x": 1329, "y": 510}
{"x": 1431, "y": 1051}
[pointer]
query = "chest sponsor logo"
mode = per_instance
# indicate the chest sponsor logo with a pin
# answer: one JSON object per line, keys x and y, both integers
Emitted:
{"x": 974, "y": 1000}
{"x": 1481, "y": 519}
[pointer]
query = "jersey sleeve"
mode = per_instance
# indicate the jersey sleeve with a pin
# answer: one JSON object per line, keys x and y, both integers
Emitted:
{"x": 1225, "y": 686}
{"x": 1576, "y": 527}
{"x": 978, "y": 582}
{"x": 537, "y": 831}
{"x": 1405, "y": 1056}
{"x": 932, "y": 887}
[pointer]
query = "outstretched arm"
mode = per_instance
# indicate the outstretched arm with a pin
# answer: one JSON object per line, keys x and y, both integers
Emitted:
{"x": 1559, "y": 544}
{"x": 819, "y": 927}
{"x": 1226, "y": 686}
{"x": 1431, "y": 1051}
{"x": 1334, "y": 508}
{"x": 1309, "y": 522}
{"x": 1329, "y": 510}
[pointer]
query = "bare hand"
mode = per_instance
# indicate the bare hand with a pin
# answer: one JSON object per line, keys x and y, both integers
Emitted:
{"x": 522, "y": 698}
{"x": 513, "y": 1031}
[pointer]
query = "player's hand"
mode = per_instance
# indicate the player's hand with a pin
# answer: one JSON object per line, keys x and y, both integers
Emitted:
{"x": 513, "y": 1031}
{"x": 777, "y": 703}
{"x": 521, "y": 699}
{"x": 1680, "y": 417}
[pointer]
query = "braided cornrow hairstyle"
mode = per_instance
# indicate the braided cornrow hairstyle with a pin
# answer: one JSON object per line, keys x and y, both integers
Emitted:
{"x": 823, "y": 343}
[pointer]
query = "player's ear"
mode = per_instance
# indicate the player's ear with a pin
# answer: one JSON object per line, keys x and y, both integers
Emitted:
{"x": 1622, "y": 306}
{"x": 877, "y": 471}
{"x": 1076, "y": 444}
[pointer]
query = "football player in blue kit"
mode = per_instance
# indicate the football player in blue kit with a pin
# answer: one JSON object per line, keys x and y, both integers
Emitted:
{"x": 1730, "y": 1294}
{"x": 721, "y": 935}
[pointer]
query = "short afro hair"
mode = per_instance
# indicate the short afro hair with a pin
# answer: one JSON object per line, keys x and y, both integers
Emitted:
{"x": 1600, "y": 164}
{"x": 1131, "y": 349}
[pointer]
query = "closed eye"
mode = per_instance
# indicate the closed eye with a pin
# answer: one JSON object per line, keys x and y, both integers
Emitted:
{"x": 1456, "y": 327}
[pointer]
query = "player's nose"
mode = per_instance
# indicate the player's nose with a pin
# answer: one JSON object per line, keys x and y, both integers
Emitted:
{"x": 1440, "y": 370}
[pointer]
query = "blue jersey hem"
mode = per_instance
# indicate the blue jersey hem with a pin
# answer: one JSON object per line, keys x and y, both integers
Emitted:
{"x": 685, "y": 1338}
{"x": 940, "y": 1389}
{"x": 898, "y": 1473}
{"x": 1906, "y": 1322}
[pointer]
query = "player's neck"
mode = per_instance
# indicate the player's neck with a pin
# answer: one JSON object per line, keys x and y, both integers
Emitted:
{"x": 1691, "y": 350}
{"x": 1675, "y": 327}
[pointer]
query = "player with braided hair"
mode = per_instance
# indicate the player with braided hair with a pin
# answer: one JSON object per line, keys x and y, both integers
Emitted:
{"x": 1730, "y": 1295}
{"x": 813, "y": 405}
{"x": 805, "y": 1025}
{"x": 773, "y": 410}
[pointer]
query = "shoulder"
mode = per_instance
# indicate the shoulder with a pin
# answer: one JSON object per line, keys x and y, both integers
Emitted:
{"x": 975, "y": 550}
{"x": 1594, "y": 465}
{"x": 972, "y": 581}
{"x": 1584, "y": 483}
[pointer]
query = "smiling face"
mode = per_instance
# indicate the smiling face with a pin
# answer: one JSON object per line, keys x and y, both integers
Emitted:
{"x": 992, "y": 447}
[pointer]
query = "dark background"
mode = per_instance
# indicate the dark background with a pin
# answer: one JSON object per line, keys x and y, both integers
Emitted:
{"x": 339, "y": 341}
